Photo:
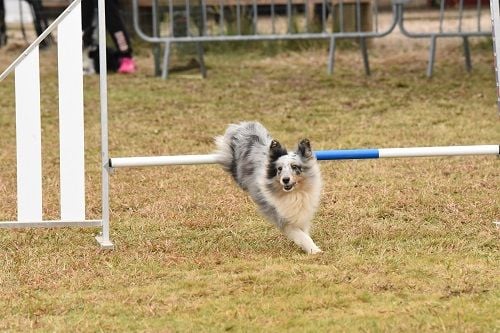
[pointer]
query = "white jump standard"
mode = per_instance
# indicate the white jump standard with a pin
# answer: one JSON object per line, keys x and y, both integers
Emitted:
{"x": 71, "y": 128}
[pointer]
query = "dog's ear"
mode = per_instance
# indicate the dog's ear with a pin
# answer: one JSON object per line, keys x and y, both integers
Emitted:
{"x": 304, "y": 149}
{"x": 276, "y": 150}
{"x": 275, "y": 145}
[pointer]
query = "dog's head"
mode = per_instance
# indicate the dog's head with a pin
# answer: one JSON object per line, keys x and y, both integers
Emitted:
{"x": 288, "y": 170}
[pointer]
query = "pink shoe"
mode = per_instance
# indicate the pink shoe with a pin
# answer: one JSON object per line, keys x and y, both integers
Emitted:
{"x": 127, "y": 66}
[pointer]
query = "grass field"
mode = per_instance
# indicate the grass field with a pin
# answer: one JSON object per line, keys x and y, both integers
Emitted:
{"x": 409, "y": 244}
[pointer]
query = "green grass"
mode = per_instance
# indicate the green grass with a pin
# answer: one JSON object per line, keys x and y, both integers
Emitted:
{"x": 409, "y": 244}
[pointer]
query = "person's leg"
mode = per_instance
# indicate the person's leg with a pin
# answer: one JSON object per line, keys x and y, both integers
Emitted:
{"x": 3, "y": 30}
{"x": 40, "y": 21}
{"x": 88, "y": 8}
{"x": 116, "y": 28}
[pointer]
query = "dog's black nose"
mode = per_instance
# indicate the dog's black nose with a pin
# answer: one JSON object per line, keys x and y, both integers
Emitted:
{"x": 286, "y": 180}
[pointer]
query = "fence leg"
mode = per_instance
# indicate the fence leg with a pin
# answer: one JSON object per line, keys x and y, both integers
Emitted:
{"x": 156, "y": 32}
{"x": 201, "y": 60}
{"x": 364, "y": 53}
{"x": 156, "y": 58}
{"x": 468, "y": 63}
{"x": 166, "y": 56}
{"x": 432, "y": 56}
{"x": 331, "y": 56}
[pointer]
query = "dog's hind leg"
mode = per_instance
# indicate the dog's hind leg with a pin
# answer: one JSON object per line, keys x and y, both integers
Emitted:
{"x": 301, "y": 238}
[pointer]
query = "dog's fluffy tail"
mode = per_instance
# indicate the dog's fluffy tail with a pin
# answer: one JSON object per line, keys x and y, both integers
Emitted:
{"x": 234, "y": 146}
{"x": 224, "y": 152}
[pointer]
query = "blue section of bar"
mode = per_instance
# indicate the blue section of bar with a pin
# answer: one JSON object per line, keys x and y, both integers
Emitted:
{"x": 346, "y": 154}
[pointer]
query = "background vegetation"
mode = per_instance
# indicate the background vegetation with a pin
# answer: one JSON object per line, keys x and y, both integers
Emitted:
{"x": 410, "y": 244}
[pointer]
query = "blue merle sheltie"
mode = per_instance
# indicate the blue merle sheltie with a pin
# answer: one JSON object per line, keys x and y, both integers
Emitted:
{"x": 285, "y": 185}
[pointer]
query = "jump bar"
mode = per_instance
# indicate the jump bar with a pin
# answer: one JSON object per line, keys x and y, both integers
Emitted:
{"x": 145, "y": 161}
{"x": 347, "y": 154}
{"x": 321, "y": 155}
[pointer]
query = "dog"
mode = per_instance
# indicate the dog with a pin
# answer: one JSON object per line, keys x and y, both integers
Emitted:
{"x": 286, "y": 186}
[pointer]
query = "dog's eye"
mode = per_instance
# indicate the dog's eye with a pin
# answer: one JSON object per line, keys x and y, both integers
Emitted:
{"x": 280, "y": 168}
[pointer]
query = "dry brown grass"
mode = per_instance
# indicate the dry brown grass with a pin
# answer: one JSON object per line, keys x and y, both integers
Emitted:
{"x": 409, "y": 244}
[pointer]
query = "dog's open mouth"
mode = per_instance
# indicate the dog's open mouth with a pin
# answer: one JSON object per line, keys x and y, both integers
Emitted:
{"x": 288, "y": 188}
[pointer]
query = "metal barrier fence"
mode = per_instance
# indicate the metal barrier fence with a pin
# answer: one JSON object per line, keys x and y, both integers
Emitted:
{"x": 200, "y": 21}
{"x": 453, "y": 20}
{"x": 251, "y": 20}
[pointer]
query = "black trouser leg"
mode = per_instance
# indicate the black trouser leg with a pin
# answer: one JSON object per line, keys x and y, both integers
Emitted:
{"x": 3, "y": 30}
{"x": 116, "y": 28}
{"x": 88, "y": 8}
{"x": 114, "y": 25}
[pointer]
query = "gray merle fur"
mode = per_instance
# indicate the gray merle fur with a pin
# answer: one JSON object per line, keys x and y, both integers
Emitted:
{"x": 285, "y": 185}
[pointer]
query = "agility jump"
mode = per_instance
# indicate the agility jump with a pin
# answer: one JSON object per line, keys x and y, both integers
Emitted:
{"x": 321, "y": 155}
{"x": 28, "y": 132}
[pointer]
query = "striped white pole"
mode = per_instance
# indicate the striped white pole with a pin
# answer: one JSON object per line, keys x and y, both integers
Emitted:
{"x": 145, "y": 161}
{"x": 322, "y": 155}
{"x": 407, "y": 152}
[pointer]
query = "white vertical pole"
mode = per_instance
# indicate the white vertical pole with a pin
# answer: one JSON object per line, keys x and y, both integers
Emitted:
{"x": 495, "y": 23}
{"x": 71, "y": 127}
{"x": 28, "y": 139}
{"x": 103, "y": 239}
